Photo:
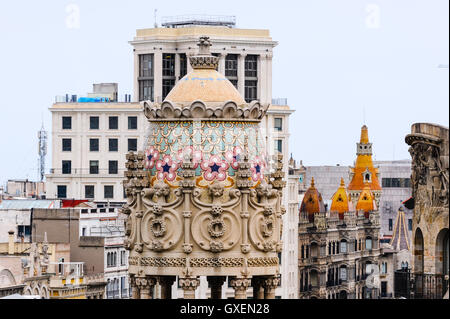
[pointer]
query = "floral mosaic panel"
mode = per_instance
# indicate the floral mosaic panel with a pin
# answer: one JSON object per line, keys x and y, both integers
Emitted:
{"x": 215, "y": 148}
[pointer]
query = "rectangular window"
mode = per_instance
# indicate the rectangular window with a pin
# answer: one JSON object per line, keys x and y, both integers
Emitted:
{"x": 183, "y": 65}
{"x": 113, "y": 122}
{"x": 250, "y": 90}
{"x": 62, "y": 191}
{"x": 168, "y": 62}
{"x": 89, "y": 191}
{"x": 132, "y": 145}
{"x": 167, "y": 86}
{"x": 251, "y": 66}
{"x": 66, "y": 167}
{"x": 146, "y": 65}
{"x": 93, "y": 167}
{"x": 278, "y": 124}
{"x": 23, "y": 230}
{"x": 66, "y": 144}
{"x": 132, "y": 122}
{"x": 67, "y": 122}
{"x": 93, "y": 145}
{"x": 145, "y": 90}
{"x": 122, "y": 258}
{"x": 83, "y": 231}
{"x": 109, "y": 191}
{"x": 407, "y": 182}
{"x": 409, "y": 224}
{"x": 113, "y": 167}
{"x": 386, "y": 182}
{"x": 94, "y": 123}
{"x": 390, "y": 224}
{"x": 279, "y": 146}
{"x": 113, "y": 144}
{"x": 231, "y": 65}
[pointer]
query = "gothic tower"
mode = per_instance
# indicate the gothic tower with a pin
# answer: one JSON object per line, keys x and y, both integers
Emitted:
{"x": 364, "y": 172}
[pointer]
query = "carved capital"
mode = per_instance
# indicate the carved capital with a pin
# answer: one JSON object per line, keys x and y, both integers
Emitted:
{"x": 189, "y": 283}
{"x": 240, "y": 283}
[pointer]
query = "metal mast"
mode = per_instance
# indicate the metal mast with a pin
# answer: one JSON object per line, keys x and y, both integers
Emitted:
{"x": 42, "y": 136}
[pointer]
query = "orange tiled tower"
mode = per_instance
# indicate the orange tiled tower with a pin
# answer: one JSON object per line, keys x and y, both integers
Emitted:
{"x": 364, "y": 172}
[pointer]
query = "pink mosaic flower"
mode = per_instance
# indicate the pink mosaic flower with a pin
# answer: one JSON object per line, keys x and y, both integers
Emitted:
{"x": 151, "y": 156}
{"x": 167, "y": 169}
{"x": 233, "y": 157}
{"x": 257, "y": 167}
{"x": 214, "y": 168}
{"x": 189, "y": 150}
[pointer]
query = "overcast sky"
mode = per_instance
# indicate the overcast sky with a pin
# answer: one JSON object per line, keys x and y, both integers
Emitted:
{"x": 335, "y": 62}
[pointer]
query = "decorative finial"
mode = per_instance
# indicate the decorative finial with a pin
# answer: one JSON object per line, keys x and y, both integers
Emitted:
{"x": 342, "y": 182}
{"x": 204, "y": 59}
{"x": 204, "y": 45}
{"x": 312, "y": 182}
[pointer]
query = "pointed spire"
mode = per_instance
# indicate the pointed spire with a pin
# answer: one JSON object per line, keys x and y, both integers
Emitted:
{"x": 400, "y": 237}
{"x": 364, "y": 135}
{"x": 342, "y": 182}
{"x": 312, "y": 182}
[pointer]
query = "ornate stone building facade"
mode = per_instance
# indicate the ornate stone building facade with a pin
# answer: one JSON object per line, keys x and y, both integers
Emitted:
{"x": 338, "y": 245}
{"x": 201, "y": 198}
{"x": 430, "y": 189}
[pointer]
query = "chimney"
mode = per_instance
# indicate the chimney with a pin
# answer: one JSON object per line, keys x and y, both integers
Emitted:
{"x": 11, "y": 242}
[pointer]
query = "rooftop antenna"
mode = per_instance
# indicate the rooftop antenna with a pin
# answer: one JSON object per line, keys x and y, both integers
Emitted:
{"x": 42, "y": 150}
{"x": 364, "y": 115}
{"x": 156, "y": 24}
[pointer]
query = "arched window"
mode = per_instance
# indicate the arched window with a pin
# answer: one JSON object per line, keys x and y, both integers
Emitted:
{"x": 343, "y": 246}
{"x": 343, "y": 273}
{"x": 368, "y": 243}
{"x": 115, "y": 259}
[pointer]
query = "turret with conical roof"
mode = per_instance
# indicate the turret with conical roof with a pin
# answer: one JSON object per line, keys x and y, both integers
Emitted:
{"x": 340, "y": 201}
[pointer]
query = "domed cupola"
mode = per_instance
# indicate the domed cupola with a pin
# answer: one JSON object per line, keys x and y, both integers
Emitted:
{"x": 312, "y": 202}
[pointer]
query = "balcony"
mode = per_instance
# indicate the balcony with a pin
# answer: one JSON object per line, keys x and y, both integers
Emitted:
{"x": 419, "y": 286}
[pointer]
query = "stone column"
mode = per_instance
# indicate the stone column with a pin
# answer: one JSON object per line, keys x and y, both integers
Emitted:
{"x": 216, "y": 283}
{"x": 166, "y": 283}
{"x": 270, "y": 284}
{"x": 136, "y": 76}
{"x": 134, "y": 288}
{"x": 189, "y": 66}
{"x": 177, "y": 67}
{"x": 157, "y": 78}
{"x": 145, "y": 286}
{"x": 258, "y": 289}
{"x": 189, "y": 285}
{"x": 241, "y": 74}
{"x": 240, "y": 286}
{"x": 222, "y": 57}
